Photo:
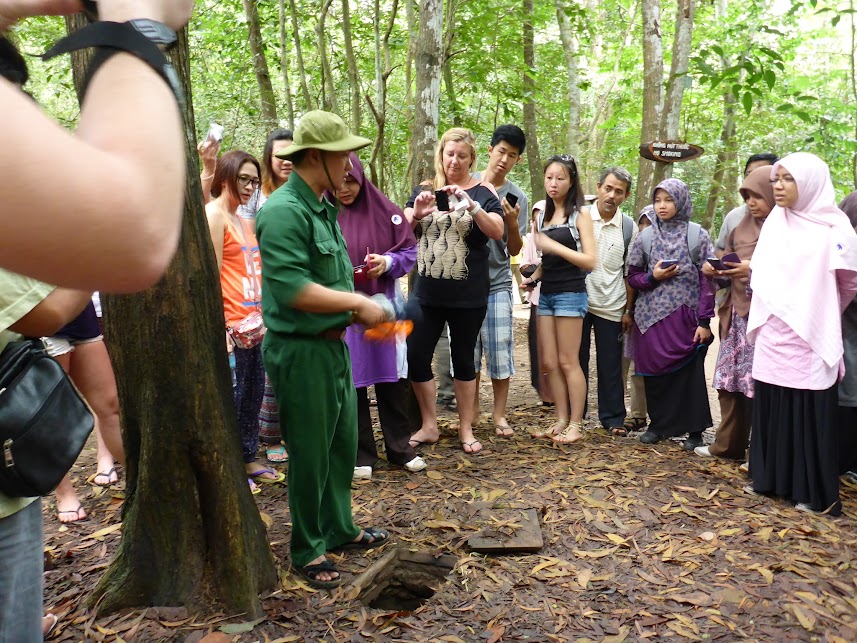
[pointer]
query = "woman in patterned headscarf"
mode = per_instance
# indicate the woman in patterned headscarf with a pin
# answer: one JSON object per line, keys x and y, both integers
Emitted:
{"x": 672, "y": 317}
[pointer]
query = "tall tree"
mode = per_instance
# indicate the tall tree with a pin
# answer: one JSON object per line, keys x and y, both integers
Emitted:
{"x": 285, "y": 44}
{"x": 191, "y": 532}
{"x": 260, "y": 65}
{"x": 383, "y": 69}
{"x": 653, "y": 78}
{"x": 534, "y": 160}
{"x": 448, "y": 40}
{"x": 328, "y": 91}
{"x": 353, "y": 76}
{"x": 299, "y": 56}
{"x": 569, "y": 45}
{"x": 429, "y": 63}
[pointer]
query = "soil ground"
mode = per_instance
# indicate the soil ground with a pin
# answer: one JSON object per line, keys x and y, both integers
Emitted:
{"x": 640, "y": 543}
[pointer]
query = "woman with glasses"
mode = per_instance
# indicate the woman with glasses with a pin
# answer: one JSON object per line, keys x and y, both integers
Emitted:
{"x": 236, "y": 178}
{"x": 565, "y": 238}
{"x": 804, "y": 275}
{"x": 452, "y": 277}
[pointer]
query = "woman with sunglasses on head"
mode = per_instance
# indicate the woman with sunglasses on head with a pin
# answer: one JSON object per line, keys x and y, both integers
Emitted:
{"x": 237, "y": 252}
{"x": 567, "y": 243}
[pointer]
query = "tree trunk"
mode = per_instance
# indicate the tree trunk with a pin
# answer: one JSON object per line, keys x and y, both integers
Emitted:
{"x": 328, "y": 94}
{"x": 413, "y": 39}
{"x": 569, "y": 45}
{"x": 191, "y": 533}
{"x": 428, "y": 62}
{"x": 853, "y": 68}
{"x": 383, "y": 69}
{"x": 353, "y": 76}
{"x": 260, "y": 65}
{"x": 448, "y": 39}
{"x": 719, "y": 185}
{"x": 653, "y": 73}
{"x": 674, "y": 93}
{"x": 534, "y": 160}
{"x": 284, "y": 64}
{"x": 308, "y": 103}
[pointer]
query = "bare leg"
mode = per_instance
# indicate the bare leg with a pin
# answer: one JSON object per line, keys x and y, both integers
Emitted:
{"x": 426, "y": 394}
{"x": 556, "y": 379}
{"x": 465, "y": 391}
{"x": 501, "y": 398}
{"x": 568, "y": 335}
{"x": 69, "y": 507}
{"x": 477, "y": 404}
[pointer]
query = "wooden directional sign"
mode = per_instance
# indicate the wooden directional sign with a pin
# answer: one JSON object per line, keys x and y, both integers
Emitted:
{"x": 670, "y": 151}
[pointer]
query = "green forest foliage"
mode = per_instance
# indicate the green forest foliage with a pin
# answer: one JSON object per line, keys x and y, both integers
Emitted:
{"x": 788, "y": 65}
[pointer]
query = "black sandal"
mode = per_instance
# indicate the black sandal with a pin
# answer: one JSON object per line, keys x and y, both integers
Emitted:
{"x": 371, "y": 538}
{"x": 619, "y": 432}
{"x": 310, "y": 574}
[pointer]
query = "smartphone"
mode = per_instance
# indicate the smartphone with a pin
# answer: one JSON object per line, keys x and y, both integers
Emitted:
{"x": 528, "y": 271}
{"x": 442, "y": 200}
{"x": 215, "y": 133}
{"x": 668, "y": 263}
{"x": 719, "y": 264}
{"x": 511, "y": 199}
{"x": 716, "y": 263}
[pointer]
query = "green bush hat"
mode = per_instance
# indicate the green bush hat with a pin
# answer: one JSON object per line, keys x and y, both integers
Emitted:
{"x": 323, "y": 131}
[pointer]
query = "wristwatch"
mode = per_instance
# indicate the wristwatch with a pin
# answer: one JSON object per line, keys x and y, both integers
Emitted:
{"x": 157, "y": 32}
{"x": 476, "y": 207}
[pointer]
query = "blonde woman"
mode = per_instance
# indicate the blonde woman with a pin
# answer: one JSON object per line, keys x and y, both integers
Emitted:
{"x": 452, "y": 277}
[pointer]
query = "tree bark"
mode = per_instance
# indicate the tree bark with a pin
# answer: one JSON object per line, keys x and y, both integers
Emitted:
{"x": 299, "y": 56}
{"x": 328, "y": 94}
{"x": 719, "y": 183}
{"x": 674, "y": 92}
{"x": 383, "y": 70}
{"x": 191, "y": 533}
{"x": 413, "y": 39}
{"x": 260, "y": 65}
{"x": 653, "y": 73}
{"x": 569, "y": 45}
{"x": 429, "y": 63}
{"x": 284, "y": 65}
{"x": 353, "y": 75}
{"x": 534, "y": 160}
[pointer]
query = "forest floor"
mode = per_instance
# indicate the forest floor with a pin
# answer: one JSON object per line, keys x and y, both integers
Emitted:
{"x": 641, "y": 542}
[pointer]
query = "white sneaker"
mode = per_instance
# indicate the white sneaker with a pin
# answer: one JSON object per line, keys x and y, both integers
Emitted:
{"x": 802, "y": 506}
{"x": 417, "y": 464}
{"x": 362, "y": 473}
{"x": 703, "y": 451}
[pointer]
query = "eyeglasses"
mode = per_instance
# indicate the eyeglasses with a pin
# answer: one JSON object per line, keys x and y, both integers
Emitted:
{"x": 244, "y": 181}
{"x": 783, "y": 179}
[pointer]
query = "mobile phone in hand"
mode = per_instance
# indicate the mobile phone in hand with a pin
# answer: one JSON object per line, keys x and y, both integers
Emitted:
{"x": 511, "y": 199}
{"x": 668, "y": 263}
{"x": 528, "y": 271}
{"x": 442, "y": 200}
{"x": 716, "y": 263}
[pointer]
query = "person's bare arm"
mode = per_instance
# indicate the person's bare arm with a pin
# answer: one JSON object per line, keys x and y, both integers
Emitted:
{"x": 217, "y": 228}
{"x": 514, "y": 242}
{"x": 208, "y": 151}
{"x": 52, "y": 313}
{"x": 315, "y": 298}
{"x": 109, "y": 217}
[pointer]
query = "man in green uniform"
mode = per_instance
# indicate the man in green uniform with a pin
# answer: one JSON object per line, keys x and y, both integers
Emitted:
{"x": 307, "y": 300}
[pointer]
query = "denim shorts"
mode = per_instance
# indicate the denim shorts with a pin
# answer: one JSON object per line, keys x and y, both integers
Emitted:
{"x": 563, "y": 304}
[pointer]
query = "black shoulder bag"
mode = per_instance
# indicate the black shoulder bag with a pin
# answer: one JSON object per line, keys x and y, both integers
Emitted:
{"x": 44, "y": 420}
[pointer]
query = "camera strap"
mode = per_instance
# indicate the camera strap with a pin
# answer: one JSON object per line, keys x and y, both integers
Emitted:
{"x": 111, "y": 38}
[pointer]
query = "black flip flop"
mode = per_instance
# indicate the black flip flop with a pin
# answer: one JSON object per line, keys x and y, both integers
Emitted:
{"x": 310, "y": 574}
{"x": 370, "y": 539}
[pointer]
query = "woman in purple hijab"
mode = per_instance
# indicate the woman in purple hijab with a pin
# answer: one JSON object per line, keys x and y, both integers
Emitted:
{"x": 672, "y": 317}
{"x": 382, "y": 248}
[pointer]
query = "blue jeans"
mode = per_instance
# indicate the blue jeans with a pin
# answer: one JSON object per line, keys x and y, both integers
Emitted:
{"x": 21, "y": 568}
{"x": 563, "y": 304}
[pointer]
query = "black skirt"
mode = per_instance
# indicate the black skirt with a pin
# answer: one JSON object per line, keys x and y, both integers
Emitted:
{"x": 678, "y": 401}
{"x": 847, "y": 416}
{"x": 794, "y": 452}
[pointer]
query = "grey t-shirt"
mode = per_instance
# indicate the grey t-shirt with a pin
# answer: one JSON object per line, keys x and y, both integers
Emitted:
{"x": 730, "y": 221}
{"x": 499, "y": 271}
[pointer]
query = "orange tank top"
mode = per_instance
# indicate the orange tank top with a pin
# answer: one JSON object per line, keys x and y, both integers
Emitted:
{"x": 240, "y": 274}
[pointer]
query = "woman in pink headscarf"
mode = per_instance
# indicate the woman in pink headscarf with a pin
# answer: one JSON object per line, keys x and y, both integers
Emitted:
{"x": 804, "y": 275}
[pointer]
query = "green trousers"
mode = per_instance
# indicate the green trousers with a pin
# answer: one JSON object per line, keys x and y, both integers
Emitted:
{"x": 318, "y": 412}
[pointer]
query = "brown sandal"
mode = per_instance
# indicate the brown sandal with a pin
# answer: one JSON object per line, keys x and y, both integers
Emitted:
{"x": 565, "y": 436}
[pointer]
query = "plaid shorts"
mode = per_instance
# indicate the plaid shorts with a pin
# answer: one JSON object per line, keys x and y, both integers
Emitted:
{"x": 496, "y": 338}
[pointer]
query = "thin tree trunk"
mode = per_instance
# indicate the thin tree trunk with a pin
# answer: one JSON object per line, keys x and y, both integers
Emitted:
{"x": 534, "y": 161}
{"x": 718, "y": 185}
{"x": 653, "y": 73}
{"x": 260, "y": 65}
{"x": 383, "y": 69}
{"x": 308, "y": 103}
{"x": 429, "y": 63}
{"x": 353, "y": 76}
{"x": 448, "y": 39}
{"x": 284, "y": 65}
{"x": 569, "y": 45}
{"x": 191, "y": 532}
{"x": 853, "y": 60}
{"x": 674, "y": 93}
{"x": 328, "y": 94}
{"x": 413, "y": 39}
